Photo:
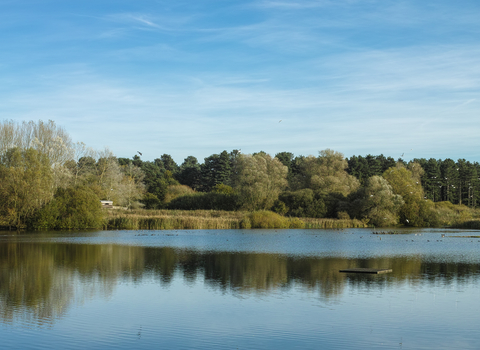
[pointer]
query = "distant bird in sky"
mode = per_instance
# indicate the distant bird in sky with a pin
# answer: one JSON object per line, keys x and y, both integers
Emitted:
{"x": 139, "y": 152}
{"x": 280, "y": 121}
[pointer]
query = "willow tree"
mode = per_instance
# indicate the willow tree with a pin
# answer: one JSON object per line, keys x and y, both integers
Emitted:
{"x": 416, "y": 210}
{"x": 260, "y": 181}
{"x": 326, "y": 174}
{"x": 26, "y": 184}
{"x": 377, "y": 202}
{"x": 46, "y": 138}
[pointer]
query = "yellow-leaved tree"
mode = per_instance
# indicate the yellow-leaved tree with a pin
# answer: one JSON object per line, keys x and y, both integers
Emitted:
{"x": 416, "y": 210}
{"x": 261, "y": 179}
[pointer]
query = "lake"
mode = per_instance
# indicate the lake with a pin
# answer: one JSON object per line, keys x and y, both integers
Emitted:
{"x": 239, "y": 289}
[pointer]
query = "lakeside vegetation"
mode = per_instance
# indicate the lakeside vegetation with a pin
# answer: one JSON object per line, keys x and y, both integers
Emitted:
{"x": 49, "y": 182}
{"x": 140, "y": 219}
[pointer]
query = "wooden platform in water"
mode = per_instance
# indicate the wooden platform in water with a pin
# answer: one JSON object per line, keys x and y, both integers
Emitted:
{"x": 366, "y": 270}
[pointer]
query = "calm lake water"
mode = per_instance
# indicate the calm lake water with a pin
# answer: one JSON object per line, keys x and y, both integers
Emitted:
{"x": 239, "y": 289}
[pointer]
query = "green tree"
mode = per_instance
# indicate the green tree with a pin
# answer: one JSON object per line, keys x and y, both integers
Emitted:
{"x": 46, "y": 138}
{"x": 376, "y": 202}
{"x": 261, "y": 179}
{"x": 449, "y": 173}
{"x": 304, "y": 203}
{"x": 72, "y": 208}
{"x": 169, "y": 163}
{"x": 287, "y": 159}
{"x": 416, "y": 210}
{"x": 468, "y": 177}
{"x": 431, "y": 179}
{"x": 26, "y": 184}
{"x": 325, "y": 173}
{"x": 190, "y": 173}
{"x": 216, "y": 170}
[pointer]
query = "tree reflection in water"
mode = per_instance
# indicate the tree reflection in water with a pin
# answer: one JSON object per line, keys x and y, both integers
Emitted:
{"x": 39, "y": 282}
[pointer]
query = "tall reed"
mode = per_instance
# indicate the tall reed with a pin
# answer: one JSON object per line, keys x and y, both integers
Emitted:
{"x": 213, "y": 219}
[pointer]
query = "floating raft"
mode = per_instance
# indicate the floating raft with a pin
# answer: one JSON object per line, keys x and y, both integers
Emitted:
{"x": 366, "y": 270}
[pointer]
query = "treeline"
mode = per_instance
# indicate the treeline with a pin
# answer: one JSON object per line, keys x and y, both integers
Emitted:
{"x": 442, "y": 180}
{"x": 380, "y": 190}
{"x": 47, "y": 181}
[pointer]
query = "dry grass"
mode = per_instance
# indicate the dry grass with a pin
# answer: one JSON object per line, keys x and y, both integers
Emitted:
{"x": 172, "y": 219}
{"x": 333, "y": 223}
{"x": 457, "y": 216}
{"x": 141, "y": 219}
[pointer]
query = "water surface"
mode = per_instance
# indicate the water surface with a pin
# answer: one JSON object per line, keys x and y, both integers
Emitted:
{"x": 245, "y": 289}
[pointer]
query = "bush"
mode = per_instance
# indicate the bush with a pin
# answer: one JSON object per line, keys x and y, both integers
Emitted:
{"x": 246, "y": 223}
{"x": 280, "y": 208}
{"x": 150, "y": 201}
{"x": 71, "y": 208}
{"x": 174, "y": 191}
{"x": 205, "y": 201}
{"x": 304, "y": 203}
{"x": 268, "y": 219}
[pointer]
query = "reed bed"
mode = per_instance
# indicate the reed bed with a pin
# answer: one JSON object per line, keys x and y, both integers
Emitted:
{"x": 214, "y": 219}
{"x": 333, "y": 223}
{"x": 470, "y": 224}
{"x": 171, "y": 223}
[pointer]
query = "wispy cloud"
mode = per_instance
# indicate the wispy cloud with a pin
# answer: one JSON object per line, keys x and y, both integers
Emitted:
{"x": 294, "y": 4}
{"x": 150, "y": 21}
{"x": 356, "y": 76}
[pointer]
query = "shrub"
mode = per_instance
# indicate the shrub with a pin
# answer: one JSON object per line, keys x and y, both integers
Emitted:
{"x": 279, "y": 207}
{"x": 174, "y": 191}
{"x": 304, "y": 203}
{"x": 268, "y": 219}
{"x": 246, "y": 223}
{"x": 71, "y": 208}
{"x": 150, "y": 201}
{"x": 205, "y": 201}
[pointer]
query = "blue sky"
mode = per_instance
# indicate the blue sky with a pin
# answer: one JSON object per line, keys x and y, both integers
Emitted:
{"x": 199, "y": 77}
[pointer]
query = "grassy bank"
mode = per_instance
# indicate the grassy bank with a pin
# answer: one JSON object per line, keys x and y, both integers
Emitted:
{"x": 213, "y": 219}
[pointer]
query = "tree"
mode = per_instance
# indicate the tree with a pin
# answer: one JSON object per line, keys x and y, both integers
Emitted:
{"x": 304, "y": 203}
{"x": 216, "y": 170}
{"x": 416, "y": 210}
{"x": 449, "y": 173}
{"x": 325, "y": 173}
{"x": 468, "y": 177}
{"x": 82, "y": 164}
{"x": 431, "y": 179}
{"x": 376, "y": 202}
{"x": 131, "y": 188}
{"x": 72, "y": 208}
{"x": 287, "y": 159}
{"x": 261, "y": 179}
{"x": 46, "y": 138}
{"x": 169, "y": 163}
{"x": 155, "y": 181}
{"x": 26, "y": 184}
{"x": 190, "y": 173}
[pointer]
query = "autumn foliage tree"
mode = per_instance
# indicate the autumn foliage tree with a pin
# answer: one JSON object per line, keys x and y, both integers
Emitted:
{"x": 416, "y": 210}
{"x": 376, "y": 202}
{"x": 325, "y": 173}
{"x": 261, "y": 179}
{"x": 26, "y": 184}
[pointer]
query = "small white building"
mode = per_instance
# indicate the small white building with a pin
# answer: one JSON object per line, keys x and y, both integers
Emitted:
{"x": 107, "y": 204}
